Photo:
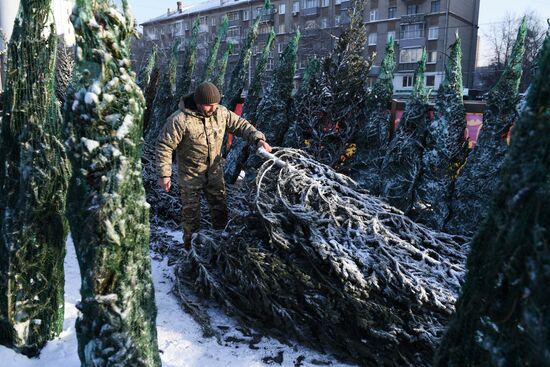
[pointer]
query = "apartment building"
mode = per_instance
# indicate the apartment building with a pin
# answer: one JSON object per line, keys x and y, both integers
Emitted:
{"x": 412, "y": 24}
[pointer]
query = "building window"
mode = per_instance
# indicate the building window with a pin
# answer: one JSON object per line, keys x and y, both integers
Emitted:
{"x": 392, "y": 12}
{"x": 246, "y": 15}
{"x": 430, "y": 80}
{"x": 432, "y": 57}
{"x": 233, "y": 32}
{"x": 324, "y": 22}
{"x": 410, "y": 55}
{"x": 407, "y": 81}
{"x": 409, "y": 31}
{"x": 433, "y": 33}
{"x": 258, "y": 11}
{"x": 310, "y": 24}
{"x": 280, "y": 48}
{"x": 325, "y": 3}
{"x": 296, "y": 7}
{"x": 232, "y": 16}
{"x": 391, "y": 35}
{"x": 264, "y": 28}
{"x": 281, "y": 28}
{"x": 373, "y": 37}
{"x": 212, "y": 21}
{"x": 336, "y": 20}
{"x": 269, "y": 65}
{"x": 186, "y": 26}
{"x": 203, "y": 21}
{"x": 435, "y": 6}
{"x": 337, "y": 2}
{"x": 373, "y": 15}
{"x": 412, "y": 9}
{"x": 311, "y": 4}
{"x": 282, "y": 8}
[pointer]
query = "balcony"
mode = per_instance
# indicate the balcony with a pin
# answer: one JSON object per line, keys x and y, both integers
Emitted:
{"x": 234, "y": 23}
{"x": 310, "y": 11}
{"x": 413, "y": 18}
{"x": 407, "y": 66}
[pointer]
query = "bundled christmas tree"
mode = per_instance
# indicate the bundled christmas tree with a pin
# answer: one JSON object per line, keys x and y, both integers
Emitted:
{"x": 446, "y": 147}
{"x": 503, "y": 313}
{"x": 239, "y": 147}
{"x": 211, "y": 60}
{"x": 219, "y": 80}
{"x": 185, "y": 80}
{"x": 480, "y": 178}
{"x": 106, "y": 201}
{"x": 402, "y": 164}
{"x": 148, "y": 81}
{"x": 144, "y": 77}
{"x": 33, "y": 182}
{"x": 63, "y": 71}
{"x": 374, "y": 136}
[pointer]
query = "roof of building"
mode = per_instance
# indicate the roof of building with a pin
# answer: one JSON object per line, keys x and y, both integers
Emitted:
{"x": 193, "y": 9}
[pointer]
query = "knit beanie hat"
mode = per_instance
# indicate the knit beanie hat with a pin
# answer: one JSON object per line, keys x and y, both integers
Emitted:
{"x": 206, "y": 93}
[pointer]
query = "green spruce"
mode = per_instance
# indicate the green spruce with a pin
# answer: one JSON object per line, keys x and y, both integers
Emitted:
{"x": 211, "y": 60}
{"x": 33, "y": 181}
{"x": 144, "y": 77}
{"x": 402, "y": 164}
{"x": 479, "y": 178}
{"x": 185, "y": 80}
{"x": 503, "y": 315}
{"x": 446, "y": 147}
{"x": 219, "y": 80}
{"x": 106, "y": 205}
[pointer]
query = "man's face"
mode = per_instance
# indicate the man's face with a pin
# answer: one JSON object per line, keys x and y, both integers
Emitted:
{"x": 208, "y": 109}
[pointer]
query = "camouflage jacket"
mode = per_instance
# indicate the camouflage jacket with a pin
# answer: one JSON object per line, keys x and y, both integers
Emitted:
{"x": 198, "y": 139}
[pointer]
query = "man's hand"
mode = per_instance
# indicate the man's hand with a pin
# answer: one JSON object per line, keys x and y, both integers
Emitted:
{"x": 263, "y": 144}
{"x": 164, "y": 182}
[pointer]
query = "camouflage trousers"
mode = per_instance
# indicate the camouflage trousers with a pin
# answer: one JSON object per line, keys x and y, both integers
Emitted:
{"x": 191, "y": 187}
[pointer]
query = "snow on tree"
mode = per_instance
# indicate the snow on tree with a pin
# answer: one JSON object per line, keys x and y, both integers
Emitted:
{"x": 33, "y": 181}
{"x": 63, "y": 71}
{"x": 144, "y": 77}
{"x": 239, "y": 147}
{"x": 208, "y": 72}
{"x": 106, "y": 205}
{"x": 320, "y": 260}
{"x": 338, "y": 108}
{"x": 165, "y": 97}
{"x": 446, "y": 147}
{"x": 503, "y": 315}
{"x": 219, "y": 80}
{"x": 374, "y": 136}
{"x": 479, "y": 178}
{"x": 402, "y": 164}
{"x": 185, "y": 80}
{"x": 273, "y": 115}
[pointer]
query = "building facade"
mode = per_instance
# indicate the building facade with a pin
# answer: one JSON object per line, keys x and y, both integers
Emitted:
{"x": 412, "y": 24}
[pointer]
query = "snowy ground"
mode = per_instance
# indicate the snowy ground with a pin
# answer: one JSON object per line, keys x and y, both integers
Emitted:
{"x": 180, "y": 337}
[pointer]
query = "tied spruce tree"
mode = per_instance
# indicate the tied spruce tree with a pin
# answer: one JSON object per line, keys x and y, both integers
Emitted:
{"x": 402, "y": 164}
{"x": 106, "y": 206}
{"x": 503, "y": 315}
{"x": 189, "y": 62}
{"x": 374, "y": 136}
{"x": 63, "y": 71}
{"x": 144, "y": 77}
{"x": 479, "y": 178}
{"x": 446, "y": 147}
{"x": 341, "y": 101}
{"x": 239, "y": 147}
{"x": 148, "y": 81}
{"x": 211, "y": 60}
{"x": 219, "y": 80}
{"x": 33, "y": 182}
{"x": 273, "y": 115}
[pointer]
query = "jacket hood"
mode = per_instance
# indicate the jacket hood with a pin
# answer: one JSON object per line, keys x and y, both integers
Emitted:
{"x": 187, "y": 104}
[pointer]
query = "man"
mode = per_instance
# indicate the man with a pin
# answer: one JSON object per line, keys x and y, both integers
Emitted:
{"x": 196, "y": 133}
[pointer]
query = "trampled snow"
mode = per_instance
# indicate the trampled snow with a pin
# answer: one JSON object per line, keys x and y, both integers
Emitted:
{"x": 180, "y": 337}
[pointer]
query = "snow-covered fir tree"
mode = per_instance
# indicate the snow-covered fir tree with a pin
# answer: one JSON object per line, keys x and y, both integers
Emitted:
{"x": 144, "y": 76}
{"x": 502, "y": 316}
{"x": 148, "y": 81}
{"x": 402, "y": 164}
{"x": 33, "y": 182}
{"x": 210, "y": 64}
{"x": 374, "y": 136}
{"x": 239, "y": 147}
{"x": 183, "y": 84}
{"x": 446, "y": 147}
{"x": 479, "y": 179}
{"x": 219, "y": 79}
{"x": 106, "y": 203}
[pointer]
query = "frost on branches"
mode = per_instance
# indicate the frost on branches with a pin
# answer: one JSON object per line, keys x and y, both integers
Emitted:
{"x": 402, "y": 164}
{"x": 210, "y": 64}
{"x": 106, "y": 202}
{"x": 503, "y": 315}
{"x": 479, "y": 179}
{"x": 322, "y": 261}
{"x": 33, "y": 183}
{"x": 446, "y": 147}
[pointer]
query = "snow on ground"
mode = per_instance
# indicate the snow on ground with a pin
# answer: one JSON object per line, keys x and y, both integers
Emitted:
{"x": 180, "y": 337}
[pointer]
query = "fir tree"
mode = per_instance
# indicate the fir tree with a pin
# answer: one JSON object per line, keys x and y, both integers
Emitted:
{"x": 219, "y": 80}
{"x": 446, "y": 146}
{"x": 33, "y": 182}
{"x": 164, "y": 98}
{"x": 374, "y": 136}
{"x": 503, "y": 317}
{"x": 190, "y": 61}
{"x": 148, "y": 80}
{"x": 145, "y": 73}
{"x": 402, "y": 164}
{"x": 479, "y": 178}
{"x": 63, "y": 71}
{"x": 211, "y": 60}
{"x": 239, "y": 147}
{"x": 107, "y": 210}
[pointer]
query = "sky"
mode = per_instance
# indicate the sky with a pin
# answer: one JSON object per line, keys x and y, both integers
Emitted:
{"x": 491, "y": 12}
